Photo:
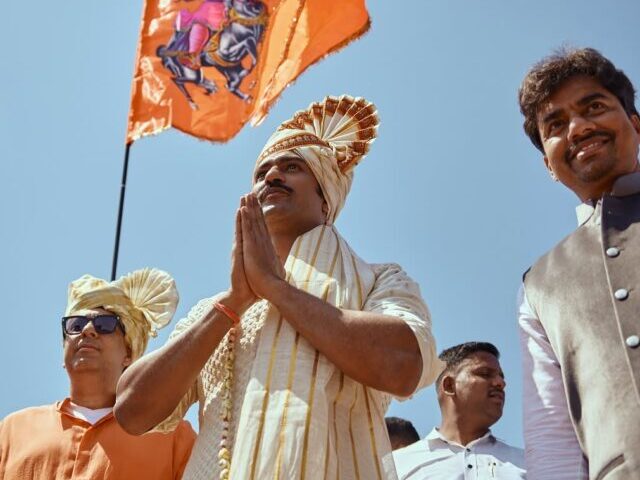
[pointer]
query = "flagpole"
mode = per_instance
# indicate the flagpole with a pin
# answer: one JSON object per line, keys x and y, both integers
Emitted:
{"x": 123, "y": 186}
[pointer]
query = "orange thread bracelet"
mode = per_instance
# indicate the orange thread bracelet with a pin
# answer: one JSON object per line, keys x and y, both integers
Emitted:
{"x": 233, "y": 316}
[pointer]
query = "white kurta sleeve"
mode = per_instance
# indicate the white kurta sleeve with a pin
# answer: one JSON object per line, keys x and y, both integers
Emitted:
{"x": 552, "y": 451}
{"x": 396, "y": 294}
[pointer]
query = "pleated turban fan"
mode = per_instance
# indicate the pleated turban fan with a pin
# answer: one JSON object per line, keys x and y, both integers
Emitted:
{"x": 332, "y": 136}
{"x": 145, "y": 300}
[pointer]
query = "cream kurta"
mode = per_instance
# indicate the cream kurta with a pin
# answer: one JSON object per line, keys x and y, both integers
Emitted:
{"x": 295, "y": 415}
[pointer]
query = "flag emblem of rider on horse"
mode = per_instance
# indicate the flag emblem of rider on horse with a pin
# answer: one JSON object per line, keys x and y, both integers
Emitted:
{"x": 219, "y": 34}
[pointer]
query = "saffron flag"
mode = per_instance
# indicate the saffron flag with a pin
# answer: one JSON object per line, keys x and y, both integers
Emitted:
{"x": 206, "y": 67}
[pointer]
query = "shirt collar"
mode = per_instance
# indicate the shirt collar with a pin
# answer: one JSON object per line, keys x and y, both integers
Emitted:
{"x": 64, "y": 407}
{"x": 625, "y": 185}
{"x": 584, "y": 212}
{"x": 435, "y": 436}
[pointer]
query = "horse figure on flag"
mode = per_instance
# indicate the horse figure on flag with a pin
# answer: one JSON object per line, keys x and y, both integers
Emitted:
{"x": 220, "y": 34}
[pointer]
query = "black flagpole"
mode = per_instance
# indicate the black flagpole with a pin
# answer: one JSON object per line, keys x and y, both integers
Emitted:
{"x": 123, "y": 186}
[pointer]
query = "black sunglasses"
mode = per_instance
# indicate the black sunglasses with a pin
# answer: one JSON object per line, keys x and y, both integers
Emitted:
{"x": 74, "y": 324}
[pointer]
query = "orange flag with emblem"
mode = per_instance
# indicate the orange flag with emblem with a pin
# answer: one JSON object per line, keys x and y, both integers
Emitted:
{"x": 206, "y": 67}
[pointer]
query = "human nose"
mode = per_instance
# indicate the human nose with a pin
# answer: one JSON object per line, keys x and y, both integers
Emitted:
{"x": 579, "y": 126}
{"x": 273, "y": 174}
{"x": 89, "y": 330}
{"x": 500, "y": 382}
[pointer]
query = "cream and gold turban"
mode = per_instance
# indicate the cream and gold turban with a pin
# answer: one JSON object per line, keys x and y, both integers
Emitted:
{"x": 332, "y": 136}
{"x": 145, "y": 301}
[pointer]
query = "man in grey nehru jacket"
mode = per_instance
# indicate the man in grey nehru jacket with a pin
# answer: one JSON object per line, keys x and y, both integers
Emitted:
{"x": 580, "y": 302}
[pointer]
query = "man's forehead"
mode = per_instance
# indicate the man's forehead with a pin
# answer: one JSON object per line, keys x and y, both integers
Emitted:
{"x": 571, "y": 91}
{"x": 481, "y": 359}
{"x": 278, "y": 158}
{"x": 93, "y": 312}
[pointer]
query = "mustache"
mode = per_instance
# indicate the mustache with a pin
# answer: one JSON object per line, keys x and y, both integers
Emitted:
{"x": 573, "y": 148}
{"x": 271, "y": 187}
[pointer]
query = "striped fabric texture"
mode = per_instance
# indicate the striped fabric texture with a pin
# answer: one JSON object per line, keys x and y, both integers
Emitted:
{"x": 296, "y": 416}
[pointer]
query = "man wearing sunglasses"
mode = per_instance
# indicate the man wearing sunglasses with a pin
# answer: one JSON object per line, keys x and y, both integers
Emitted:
{"x": 106, "y": 327}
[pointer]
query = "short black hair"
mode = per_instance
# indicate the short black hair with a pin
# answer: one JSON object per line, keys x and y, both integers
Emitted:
{"x": 551, "y": 72}
{"x": 401, "y": 430}
{"x": 454, "y": 356}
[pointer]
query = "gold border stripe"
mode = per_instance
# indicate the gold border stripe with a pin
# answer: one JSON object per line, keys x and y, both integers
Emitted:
{"x": 314, "y": 259}
{"x": 292, "y": 361}
{"x": 359, "y": 281}
{"x": 353, "y": 443}
{"x": 335, "y": 426}
{"x": 283, "y": 422}
{"x": 326, "y": 456}
{"x": 265, "y": 400}
{"x": 374, "y": 448}
{"x": 307, "y": 422}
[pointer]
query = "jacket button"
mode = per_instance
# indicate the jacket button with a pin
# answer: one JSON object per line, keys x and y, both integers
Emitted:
{"x": 633, "y": 341}
{"x": 621, "y": 294}
{"x": 613, "y": 252}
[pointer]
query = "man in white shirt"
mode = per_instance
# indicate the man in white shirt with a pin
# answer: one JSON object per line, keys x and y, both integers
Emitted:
{"x": 471, "y": 397}
{"x": 578, "y": 307}
{"x": 402, "y": 433}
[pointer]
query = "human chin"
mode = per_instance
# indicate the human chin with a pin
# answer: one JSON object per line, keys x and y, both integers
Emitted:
{"x": 275, "y": 211}
{"x": 83, "y": 363}
{"x": 594, "y": 168}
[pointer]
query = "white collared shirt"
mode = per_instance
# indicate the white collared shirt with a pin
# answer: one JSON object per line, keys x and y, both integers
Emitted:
{"x": 551, "y": 447}
{"x": 436, "y": 458}
{"x": 87, "y": 414}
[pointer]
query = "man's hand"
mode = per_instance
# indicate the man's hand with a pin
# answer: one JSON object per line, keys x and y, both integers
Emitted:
{"x": 263, "y": 268}
{"x": 240, "y": 296}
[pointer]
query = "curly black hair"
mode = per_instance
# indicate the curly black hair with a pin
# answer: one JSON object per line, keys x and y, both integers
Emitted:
{"x": 548, "y": 74}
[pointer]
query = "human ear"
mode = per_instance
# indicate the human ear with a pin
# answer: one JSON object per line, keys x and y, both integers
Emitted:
{"x": 127, "y": 360}
{"x": 449, "y": 386}
{"x": 549, "y": 169}
{"x": 635, "y": 121}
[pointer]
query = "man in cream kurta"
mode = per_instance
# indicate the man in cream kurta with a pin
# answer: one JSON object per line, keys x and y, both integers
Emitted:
{"x": 324, "y": 341}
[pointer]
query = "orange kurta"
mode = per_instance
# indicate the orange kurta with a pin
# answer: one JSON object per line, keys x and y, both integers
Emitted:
{"x": 47, "y": 443}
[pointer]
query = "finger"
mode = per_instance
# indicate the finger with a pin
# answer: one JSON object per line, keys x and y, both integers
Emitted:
{"x": 258, "y": 216}
{"x": 261, "y": 223}
{"x": 253, "y": 212}
{"x": 246, "y": 226}
{"x": 238, "y": 233}
{"x": 251, "y": 203}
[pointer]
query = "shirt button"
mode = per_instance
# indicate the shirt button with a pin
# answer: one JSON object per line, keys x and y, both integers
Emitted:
{"x": 469, "y": 466}
{"x": 613, "y": 252}
{"x": 633, "y": 341}
{"x": 468, "y": 449}
{"x": 621, "y": 293}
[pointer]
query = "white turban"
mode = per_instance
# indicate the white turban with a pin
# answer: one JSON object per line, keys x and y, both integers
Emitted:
{"x": 332, "y": 136}
{"x": 145, "y": 301}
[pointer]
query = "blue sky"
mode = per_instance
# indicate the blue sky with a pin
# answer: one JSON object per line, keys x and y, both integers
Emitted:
{"x": 452, "y": 189}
